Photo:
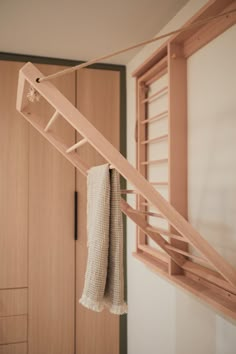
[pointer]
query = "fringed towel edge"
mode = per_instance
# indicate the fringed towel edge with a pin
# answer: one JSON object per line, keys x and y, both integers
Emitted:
{"x": 91, "y": 304}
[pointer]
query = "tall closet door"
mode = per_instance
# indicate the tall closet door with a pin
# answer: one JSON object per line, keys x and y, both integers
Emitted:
{"x": 98, "y": 99}
{"x": 51, "y": 233}
{"x": 13, "y": 215}
{"x": 13, "y": 183}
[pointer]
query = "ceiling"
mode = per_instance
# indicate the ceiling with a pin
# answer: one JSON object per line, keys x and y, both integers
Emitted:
{"x": 81, "y": 29}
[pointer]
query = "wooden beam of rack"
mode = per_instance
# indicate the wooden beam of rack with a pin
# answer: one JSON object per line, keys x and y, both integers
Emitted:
{"x": 207, "y": 292}
{"x": 55, "y": 98}
{"x": 208, "y": 274}
{"x": 209, "y": 31}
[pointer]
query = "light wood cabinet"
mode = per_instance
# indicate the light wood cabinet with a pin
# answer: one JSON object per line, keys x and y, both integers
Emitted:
{"x": 13, "y": 302}
{"x": 42, "y": 266}
{"x": 14, "y": 165}
{"x": 51, "y": 235}
{"x": 18, "y": 348}
{"x": 13, "y": 329}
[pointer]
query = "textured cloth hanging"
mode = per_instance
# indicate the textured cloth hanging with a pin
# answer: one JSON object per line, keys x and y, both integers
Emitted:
{"x": 104, "y": 278}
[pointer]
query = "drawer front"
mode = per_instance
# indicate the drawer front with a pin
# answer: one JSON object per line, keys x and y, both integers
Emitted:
{"x": 13, "y": 329}
{"x": 18, "y": 348}
{"x": 13, "y": 302}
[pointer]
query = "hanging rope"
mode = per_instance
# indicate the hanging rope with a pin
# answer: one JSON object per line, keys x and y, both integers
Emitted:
{"x": 97, "y": 60}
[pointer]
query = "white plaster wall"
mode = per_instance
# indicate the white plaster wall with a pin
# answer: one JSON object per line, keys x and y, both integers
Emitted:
{"x": 212, "y": 132}
{"x": 163, "y": 319}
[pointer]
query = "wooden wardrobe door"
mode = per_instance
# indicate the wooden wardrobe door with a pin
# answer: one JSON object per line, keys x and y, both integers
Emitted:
{"x": 51, "y": 234}
{"x": 13, "y": 182}
{"x": 98, "y": 99}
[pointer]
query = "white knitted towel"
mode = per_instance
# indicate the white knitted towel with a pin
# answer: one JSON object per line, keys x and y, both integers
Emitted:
{"x": 104, "y": 278}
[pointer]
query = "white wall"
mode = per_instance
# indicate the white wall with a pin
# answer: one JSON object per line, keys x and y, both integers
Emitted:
{"x": 163, "y": 319}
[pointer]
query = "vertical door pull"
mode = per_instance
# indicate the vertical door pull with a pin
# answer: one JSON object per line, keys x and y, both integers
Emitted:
{"x": 76, "y": 215}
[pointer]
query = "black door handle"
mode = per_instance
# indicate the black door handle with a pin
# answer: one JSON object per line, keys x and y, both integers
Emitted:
{"x": 76, "y": 215}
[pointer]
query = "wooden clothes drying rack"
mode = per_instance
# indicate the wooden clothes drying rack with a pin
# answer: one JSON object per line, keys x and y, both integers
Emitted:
{"x": 217, "y": 287}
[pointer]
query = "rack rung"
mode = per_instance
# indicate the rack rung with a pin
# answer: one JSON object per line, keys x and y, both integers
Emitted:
{"x": 52, "y": 120}
{"x": 159, "y": 183}
{"x": 155, "y": 118}
{"x": 75, "y": 146}
{"x": 153, "y": 162}
{"x": 155, "y": 95}
{"x": 145, "y": 203}
{"x": 166, "y": 233}
{"x": 155, "y": 140}
{"x": 177, "y": 250}
{"x": 128, "y": 191}
{"x": 141, "y": 212}
{"x": 156, "y": 215}
{"x": 157, "y": 76}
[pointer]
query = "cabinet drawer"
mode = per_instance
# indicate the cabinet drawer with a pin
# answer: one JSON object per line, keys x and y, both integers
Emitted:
{"x": 18, "y": 348}
{"x": 13, "y": 329}
{"x": 13, "y": 302}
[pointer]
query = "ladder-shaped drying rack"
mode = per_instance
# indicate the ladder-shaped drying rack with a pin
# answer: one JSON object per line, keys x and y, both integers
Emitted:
{"x": 207, "y": 275}
{"x": 217, "y": 287}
